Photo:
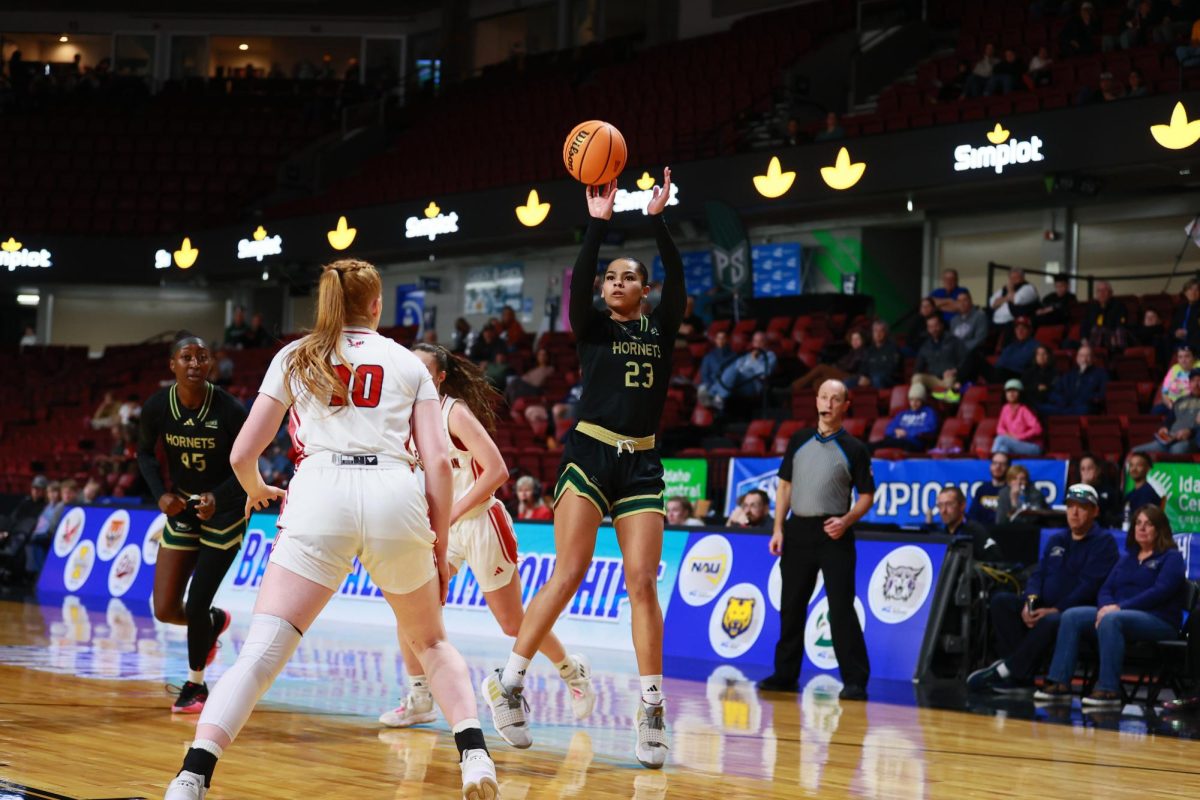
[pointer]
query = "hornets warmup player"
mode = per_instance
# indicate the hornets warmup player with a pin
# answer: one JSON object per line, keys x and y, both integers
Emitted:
{"x": 610, "y": 465}
{"x": 205, "y": 507}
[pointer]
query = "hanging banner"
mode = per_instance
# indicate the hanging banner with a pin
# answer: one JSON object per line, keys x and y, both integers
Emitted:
{"x": 697, "y": 271}
{"x": 1179, "y": 486}
{"x": 489, "y": 289}
{"x": 410, "y": 307}
{"x": 776, "y": 269}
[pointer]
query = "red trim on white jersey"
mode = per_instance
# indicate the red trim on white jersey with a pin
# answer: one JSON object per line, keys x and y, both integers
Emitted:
{"x": 293, "y": 427}
{"x": 504, "y": 532}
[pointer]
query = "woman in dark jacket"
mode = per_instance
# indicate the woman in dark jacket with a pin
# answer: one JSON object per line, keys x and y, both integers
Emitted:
{"x": 917, "y": 332}
{"x": 1039, "y": 376}
{"x": 841, "y": 370}
{"x": 1141, "y": 601}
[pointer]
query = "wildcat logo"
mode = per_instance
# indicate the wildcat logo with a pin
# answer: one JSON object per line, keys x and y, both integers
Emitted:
{"x": 69, "y": 531}
{"x": 739, "y": 613}
{"x": 900, "y": 584}
{"x": 737, "y": 620}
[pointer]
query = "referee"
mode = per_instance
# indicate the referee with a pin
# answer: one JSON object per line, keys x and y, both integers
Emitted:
{"x": 819, "y": 537}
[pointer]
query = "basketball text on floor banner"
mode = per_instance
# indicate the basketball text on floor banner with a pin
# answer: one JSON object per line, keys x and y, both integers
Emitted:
{"x": 905, "y": 491}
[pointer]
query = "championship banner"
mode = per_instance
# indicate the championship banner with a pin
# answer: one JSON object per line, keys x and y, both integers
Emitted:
{"x": 686, "y": 477}
{"x": 905, "y": 491}
{"x": 1179, "y": 486}
{"x": 727, "y": 602}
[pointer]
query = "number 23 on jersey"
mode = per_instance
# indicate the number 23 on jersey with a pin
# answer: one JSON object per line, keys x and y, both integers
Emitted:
{"x": 639, "y": 374}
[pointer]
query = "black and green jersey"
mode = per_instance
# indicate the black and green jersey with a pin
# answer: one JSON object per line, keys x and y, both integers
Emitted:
{"x": 197, "y": 443}
{"x": 625, "y": 367}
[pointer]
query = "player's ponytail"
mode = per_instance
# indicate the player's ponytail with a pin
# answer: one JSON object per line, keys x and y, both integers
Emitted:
{"x": 465, "y": 381}
{"x": 344, "y": 295}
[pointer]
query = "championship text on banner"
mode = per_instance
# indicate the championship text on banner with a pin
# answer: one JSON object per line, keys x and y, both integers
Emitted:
{"x": 729, "y": 593}
{"x": 905, "y": 491}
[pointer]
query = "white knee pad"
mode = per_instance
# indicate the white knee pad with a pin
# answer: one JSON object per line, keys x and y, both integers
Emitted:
{"x": 269, "y": 644}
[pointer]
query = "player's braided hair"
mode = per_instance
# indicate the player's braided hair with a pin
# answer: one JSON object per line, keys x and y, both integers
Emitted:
{"x": 344, "y": 295}
{"x": 465, "y": 381}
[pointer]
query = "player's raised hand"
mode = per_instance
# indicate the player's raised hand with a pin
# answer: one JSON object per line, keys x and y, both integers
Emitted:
{"x": 600, "y": 200}
{"x": 261, "y": 497}
{"x": 661, "y": 195}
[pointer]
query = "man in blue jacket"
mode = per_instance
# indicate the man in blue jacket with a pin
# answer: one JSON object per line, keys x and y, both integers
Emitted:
{"x": 1077, "y": 391}
{"x": 987, "y": 494}
{"x": 914, "y": 428}
{"x": 712, "y": 365}
{"x": 1018, "y": 354}
{"x": 1071, "y": 572}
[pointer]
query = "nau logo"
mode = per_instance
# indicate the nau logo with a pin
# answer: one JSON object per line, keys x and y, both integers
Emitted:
{"x": 900, "y": 584}
{"x": 705, "y": 569}
{"x": 737, "y": 620}
{"x": 1002, "y": 152}
{"x": 739, "y": 613}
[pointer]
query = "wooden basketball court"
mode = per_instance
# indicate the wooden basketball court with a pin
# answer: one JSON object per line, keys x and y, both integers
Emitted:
{"x": 84, "y": 715}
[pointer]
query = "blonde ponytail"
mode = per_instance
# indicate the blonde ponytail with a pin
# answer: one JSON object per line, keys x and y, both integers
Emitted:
{"x": 344, "y": 295}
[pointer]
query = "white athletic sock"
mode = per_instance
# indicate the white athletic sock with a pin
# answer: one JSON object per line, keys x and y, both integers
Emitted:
{"x": 418, "y": 685}
{"x": 196, "y": 675}
{"x": 652, "y": 689}
{"x": 466, "y": 724}
{"x": 209, "y": 746}
{"x": 566, "y": 668}
{"x": 514, "y": 671}
{"x": 1002, "y": 670}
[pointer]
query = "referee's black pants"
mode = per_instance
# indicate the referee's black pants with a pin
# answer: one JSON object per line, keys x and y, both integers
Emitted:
{"x": 807, "y": 549}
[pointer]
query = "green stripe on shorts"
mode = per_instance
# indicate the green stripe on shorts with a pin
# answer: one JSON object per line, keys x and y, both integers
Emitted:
{"x": 223, "y": 539}
{"x": 574, "y": 478}
{"x": 624, "y": 508}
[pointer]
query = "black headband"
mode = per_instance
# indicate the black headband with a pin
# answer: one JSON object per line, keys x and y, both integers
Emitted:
{"x": 187, "y": 341}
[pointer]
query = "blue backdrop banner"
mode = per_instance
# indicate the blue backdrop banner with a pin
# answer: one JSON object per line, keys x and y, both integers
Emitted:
{"x": 905, "y": 491}
{"x": 697, "y": 271}
{"x": 104, "y": 552}
{"x": 776, "y": 269}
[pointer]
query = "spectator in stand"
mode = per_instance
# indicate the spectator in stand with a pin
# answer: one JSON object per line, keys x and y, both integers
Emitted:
{"x": 1137, "y": 24}
{"x": 93, "y": 493}
{"x": 28, "y": 338}
{"x": 1056, "y": 306}
{"x": 1188, "y": 54}
{"x": 19, "y": 523}
{"x": 1019, "y": 431}
{"x": 221, "y": 372}
{"x": 1071, "y": 572}
{"x": 692, "y": 326}
{"x": 1017, "y": 355}
{"x": 882, "y": 359}
{"x": 1141, "y": 601}
{"x": 753, "y": 511}
{"x": 981, "y": 73}
{"x": 832, "y": 130}
{"x": 945, "y": 297}
{"x": 1105, "y": 321}
{"x": 951, "y": 503}
{"x": 564, "y": 410}
{"x": 1135, "y": 84}
{"x": 1177, "y": 382}
{"x": 1152, "y": 333}
{"x": 460, "y": 340}
{"x": 1006, "y": 75}
{"x": 747, "y": 376}
{"x": 486, "y": 346}
{"x": 235, "y": 332}
{"x": 107, "y": 415}
{"x": 914, "y": 429}
{"x": 712, "y": 366}
{"x": 1016, "y": 298}
{"x": 1178, "y": 435}
{"x": 530, "y": 503}
{"x": 1107, "y": 91}
{"x": 131, "y": 410}
{"x": 680, "y": 512}
{"x": 1137, "y": 468}
{"x": 1039, "y": 73}
{"x": 1078, "y": 391}
{"x": 845, "y": 368}
{"x": 954, "y": 88}
{"x": 1020, "y": 495}
{"x": 1077, "y": 37}
{"x": 510, "y": 328}
{"x": 498, "y": 371}
{"x": 791, "y": 133}
{"x": 970, "y": 324}
{"x": 1185, "y": 323}
{"x": 1040, "y": 376}
{"x": 918, "y": 331}
{"x": 940, "y": 359}
{"x": 38, "y": 544}
{"x": 256, "y": 335}
{"x": 986, "y": 497}
{"x": 533, "y": 381}
{"x": 1091, "y": 472}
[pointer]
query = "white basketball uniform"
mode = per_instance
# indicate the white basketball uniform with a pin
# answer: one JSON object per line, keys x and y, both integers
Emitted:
{"x": 356, "y": 491}
{"x": 484, "y": 536}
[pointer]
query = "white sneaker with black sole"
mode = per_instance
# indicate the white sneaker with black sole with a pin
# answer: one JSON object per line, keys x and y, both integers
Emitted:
{"x": 413, "y": 710}
{"x": 583, "y": 693}
{"x": 186, "y": 786}
{"x": 509, "y": 708}
{"x": 479, "y": 776}
{"x": 651, "y": 727}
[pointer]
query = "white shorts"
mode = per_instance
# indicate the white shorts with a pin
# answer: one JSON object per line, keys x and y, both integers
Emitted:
{"x": 334, "y": 513}
{"x": 488, "y": 544}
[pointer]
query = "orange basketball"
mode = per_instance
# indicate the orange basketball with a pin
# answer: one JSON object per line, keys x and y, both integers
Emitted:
{"x": 594, "y": 152}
